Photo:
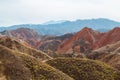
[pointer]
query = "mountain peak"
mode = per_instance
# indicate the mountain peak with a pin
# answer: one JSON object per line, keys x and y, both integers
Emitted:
{"x": 86, "y": 28}
{"x": 88, "y": 31}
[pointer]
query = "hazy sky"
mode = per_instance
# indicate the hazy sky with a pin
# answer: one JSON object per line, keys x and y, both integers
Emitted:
{"x": 39, "y": 11}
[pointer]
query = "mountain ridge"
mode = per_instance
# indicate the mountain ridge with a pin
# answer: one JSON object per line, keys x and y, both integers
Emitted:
{"x": 67, "y": 27}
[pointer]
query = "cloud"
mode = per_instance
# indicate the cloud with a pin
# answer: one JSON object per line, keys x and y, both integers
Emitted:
{"x": 38, "y": 11}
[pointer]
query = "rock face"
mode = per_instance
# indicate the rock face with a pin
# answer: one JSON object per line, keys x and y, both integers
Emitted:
{"x": 25, "y": 34}
{"x": 88, "y": 39}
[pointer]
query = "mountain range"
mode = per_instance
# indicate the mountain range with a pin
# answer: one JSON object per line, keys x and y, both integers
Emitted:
{"x": 62, "y": 27}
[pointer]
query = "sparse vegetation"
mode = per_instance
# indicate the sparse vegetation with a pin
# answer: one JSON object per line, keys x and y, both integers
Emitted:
{"x": 85, "y": 69}
{"x": 43, "y": 71}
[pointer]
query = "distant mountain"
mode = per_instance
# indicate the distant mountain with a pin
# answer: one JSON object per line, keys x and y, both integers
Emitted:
{"x": 68, "y": 26}
{"x": 54, "y": 22}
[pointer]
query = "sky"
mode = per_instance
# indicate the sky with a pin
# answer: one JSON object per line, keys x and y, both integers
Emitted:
{"x": 14, "y": 12}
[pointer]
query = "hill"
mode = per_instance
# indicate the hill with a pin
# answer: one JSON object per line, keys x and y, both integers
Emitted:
{"x": 19, "y": 46}
{"x": 85, "y": 69}
{"x": 67, "y": 26}
{"x": 17, "y": 65}
{"x": 28, "y": 35}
